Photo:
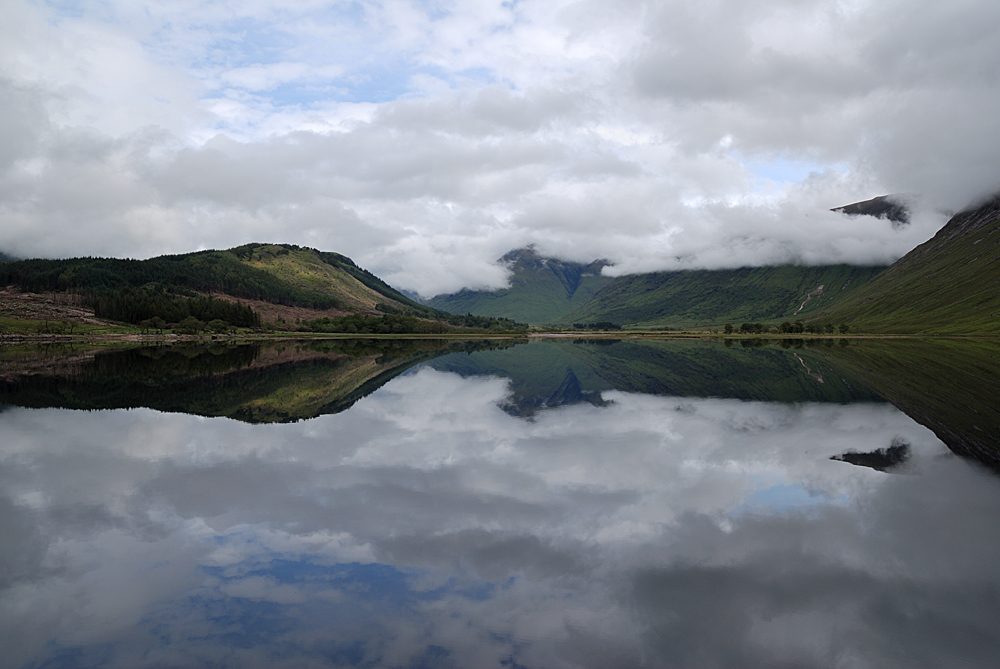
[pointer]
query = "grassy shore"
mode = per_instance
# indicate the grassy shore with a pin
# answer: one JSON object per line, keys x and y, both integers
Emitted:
{"x": 14, "y": 331}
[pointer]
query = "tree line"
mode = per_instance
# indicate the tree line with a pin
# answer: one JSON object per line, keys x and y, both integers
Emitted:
{"x": 404, "y": 324}
{"x": 599, "y": 325}
{"x": 787, "y": 327}
{"x": 158, "y": 309}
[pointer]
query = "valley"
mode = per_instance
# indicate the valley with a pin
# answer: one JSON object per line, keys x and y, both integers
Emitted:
{"x": 947, "y": 285}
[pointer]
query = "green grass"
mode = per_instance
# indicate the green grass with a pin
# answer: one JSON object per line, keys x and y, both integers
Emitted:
{"x": 27, "y": 327}
{"x": 306, "y": 271}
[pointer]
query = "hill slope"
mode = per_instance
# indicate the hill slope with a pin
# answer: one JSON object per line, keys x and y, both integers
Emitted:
{"x": 280, "y": 274}
{"x": 541, "y": 289}
{"x": 330, "y": 275}
{"x": 700, "y": 298}
{"x": 949, "y": 284}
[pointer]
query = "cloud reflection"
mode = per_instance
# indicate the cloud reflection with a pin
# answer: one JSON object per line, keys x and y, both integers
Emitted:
{"x": 427, "y": 527}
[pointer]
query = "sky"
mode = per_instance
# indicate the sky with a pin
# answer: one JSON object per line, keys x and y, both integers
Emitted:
{"x": 425, "y": 139}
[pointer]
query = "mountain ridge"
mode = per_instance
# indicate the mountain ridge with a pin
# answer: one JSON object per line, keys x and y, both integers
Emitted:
{"x": 541, "y": 289}
{"x": 889, "y": 207}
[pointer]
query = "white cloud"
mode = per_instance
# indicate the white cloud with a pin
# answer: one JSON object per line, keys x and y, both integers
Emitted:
{"x": 427, "y": 140}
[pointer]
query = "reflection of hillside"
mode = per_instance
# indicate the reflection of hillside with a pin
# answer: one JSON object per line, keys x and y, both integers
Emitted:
{"x": 949, "y": 386}
{"x": 709, "y": 369}
{"x": 555, "y": 373}
{"x": 569, "y": 392}
{"x": 279, "y": 382}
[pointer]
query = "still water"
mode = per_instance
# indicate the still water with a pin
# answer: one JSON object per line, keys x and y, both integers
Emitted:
{"x": 552, "y": 504}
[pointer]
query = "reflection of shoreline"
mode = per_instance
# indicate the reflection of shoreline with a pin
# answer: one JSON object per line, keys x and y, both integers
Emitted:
{"x": 281, "y": 381}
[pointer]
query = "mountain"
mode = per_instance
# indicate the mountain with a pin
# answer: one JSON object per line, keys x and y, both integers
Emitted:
{"x": 280, "y": 274}
{"x": 548, "y": 291}
{"x": 701, "y": 298}
{"x": 889, "y": 207}
{"x": 245, "y": 286}
{"x": 949, "y": 284}
{"x": 541, "y": 289}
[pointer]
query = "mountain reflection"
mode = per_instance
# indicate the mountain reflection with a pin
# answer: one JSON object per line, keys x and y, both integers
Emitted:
{"x": 262, "y": 383}
{"x": 559, "y": 373}
{"x": 431, "y": 526}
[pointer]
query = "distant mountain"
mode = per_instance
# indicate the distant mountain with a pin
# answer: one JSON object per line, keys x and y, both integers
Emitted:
{"x": 700, "y": 298}
{"x": 541, "y": 289}
{"x": 6, "y": 258}
{"x": 889, "y": 207}
{"x": 949, "y": 284}
{"x": 413, "y": 295}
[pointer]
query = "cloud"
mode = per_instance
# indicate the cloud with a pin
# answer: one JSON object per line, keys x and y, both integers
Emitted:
{"x": 427, "y": 140}
{"x": 653, "y": 527}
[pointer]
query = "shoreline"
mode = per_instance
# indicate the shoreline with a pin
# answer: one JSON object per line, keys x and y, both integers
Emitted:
{"x": 138, "y": 338}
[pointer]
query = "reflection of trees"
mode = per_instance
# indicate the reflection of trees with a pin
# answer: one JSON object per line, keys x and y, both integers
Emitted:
{"x": 280, "y": 382}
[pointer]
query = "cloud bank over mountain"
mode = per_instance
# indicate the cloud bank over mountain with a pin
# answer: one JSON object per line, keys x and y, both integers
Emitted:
{"x": 425, "y": 139}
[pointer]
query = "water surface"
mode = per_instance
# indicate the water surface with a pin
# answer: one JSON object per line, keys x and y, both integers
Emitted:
{"x": 553, "y": 504}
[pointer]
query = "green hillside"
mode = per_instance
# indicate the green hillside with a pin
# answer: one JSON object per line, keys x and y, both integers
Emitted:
{"x": 702, "y": 298}
{"x": 949, "y": 284}
{"x": 280, "y": 274}
{"x": 541, "y": 290}
{"x": 331, "y": 275}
